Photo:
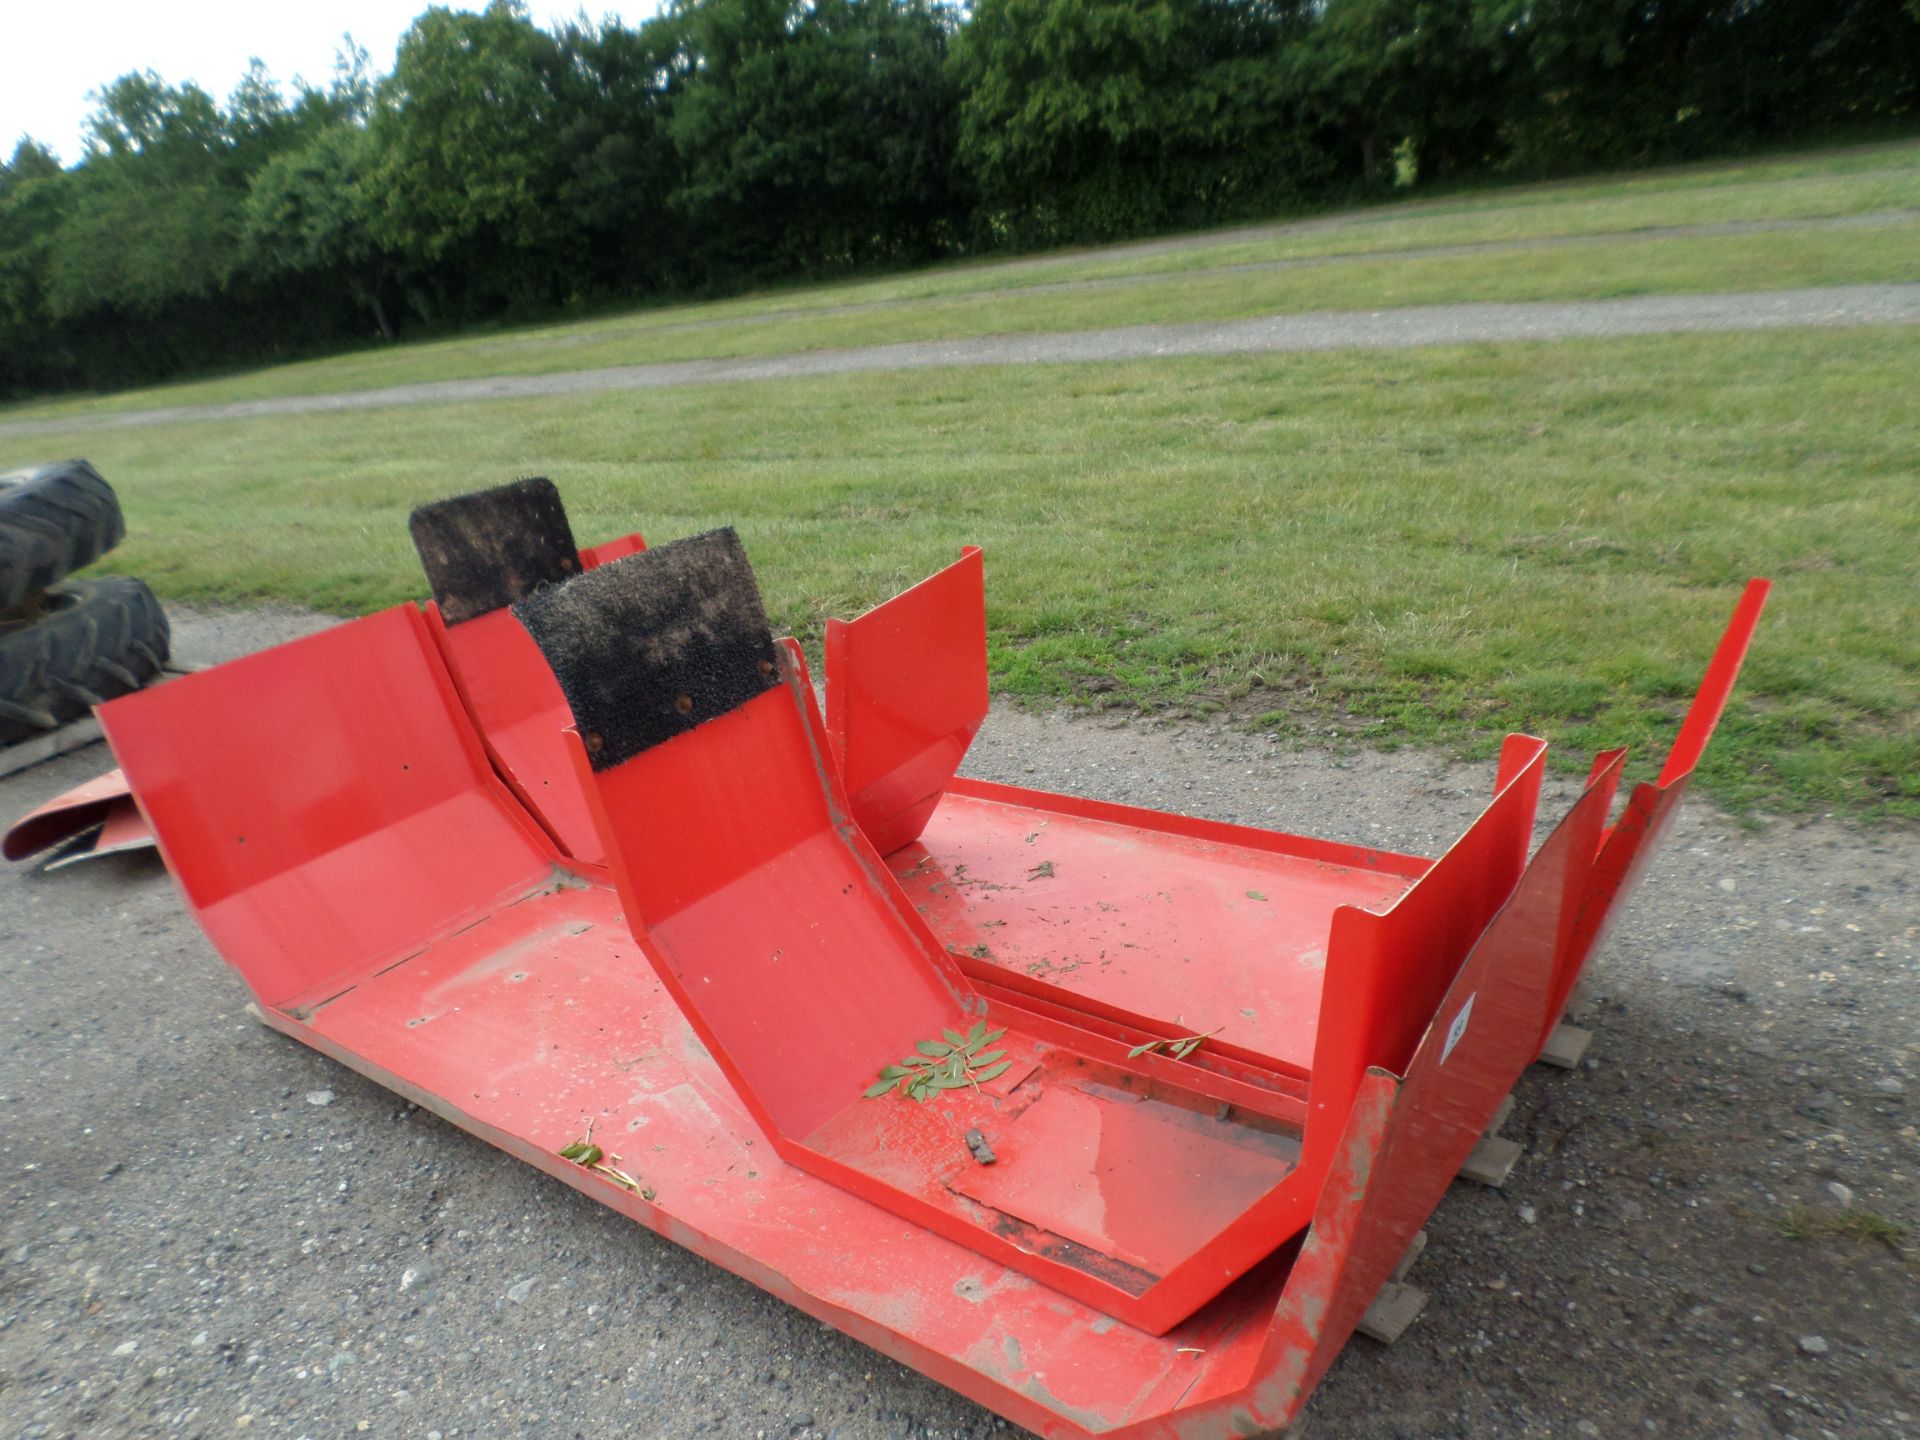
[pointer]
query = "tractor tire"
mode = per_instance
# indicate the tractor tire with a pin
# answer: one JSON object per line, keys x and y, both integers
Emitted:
{"x": 89, "y": 641}
{"x": 54, "y": 520}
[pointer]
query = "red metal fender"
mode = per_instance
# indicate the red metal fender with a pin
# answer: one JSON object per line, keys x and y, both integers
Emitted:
{"x": 393, "y": 904}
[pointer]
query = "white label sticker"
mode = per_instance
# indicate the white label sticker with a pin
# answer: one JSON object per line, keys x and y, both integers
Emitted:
{"x": 1457, "y": 1029}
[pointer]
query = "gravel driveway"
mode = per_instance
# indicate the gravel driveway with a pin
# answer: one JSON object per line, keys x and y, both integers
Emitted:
{"x": 207, "y": 1229}
{"x": 1411, "y": 327}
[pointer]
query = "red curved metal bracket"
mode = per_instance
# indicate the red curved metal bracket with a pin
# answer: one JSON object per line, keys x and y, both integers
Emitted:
{"x": 66, "y": 817}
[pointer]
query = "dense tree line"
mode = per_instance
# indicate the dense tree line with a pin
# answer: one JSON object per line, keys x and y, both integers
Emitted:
{"x": 501, "y": 169}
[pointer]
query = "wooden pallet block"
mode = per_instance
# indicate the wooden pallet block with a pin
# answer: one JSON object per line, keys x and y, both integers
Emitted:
{"x": 1414, "y": 1249}
{"x": 1491, "y": 1162}
{"x": 1502, "y": 1113}
{"x": 1566, "y": 1046}
{"x": 25, "y": 754}
{"x": 1395, "y": 1308}
{"x": 28, "y": 753}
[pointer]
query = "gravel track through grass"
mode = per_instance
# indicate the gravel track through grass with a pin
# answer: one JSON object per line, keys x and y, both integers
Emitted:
{"x": 1411, "y": 327}
{"x": 1880, "y": 220}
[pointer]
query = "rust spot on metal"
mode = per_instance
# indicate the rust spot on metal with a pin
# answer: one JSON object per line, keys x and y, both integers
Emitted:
{"x": 1031, "y": 1238}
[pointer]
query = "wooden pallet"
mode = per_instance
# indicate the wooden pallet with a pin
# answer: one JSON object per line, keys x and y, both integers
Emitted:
{"x": 25, "y": 754}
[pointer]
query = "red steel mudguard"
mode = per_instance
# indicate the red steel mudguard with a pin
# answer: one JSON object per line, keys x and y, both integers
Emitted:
{"x": 709, "y": 961}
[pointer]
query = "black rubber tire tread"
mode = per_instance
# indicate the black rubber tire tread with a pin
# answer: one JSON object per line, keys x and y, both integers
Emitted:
{"x": 54, "y": 520}
{"x": 98, "y": 638}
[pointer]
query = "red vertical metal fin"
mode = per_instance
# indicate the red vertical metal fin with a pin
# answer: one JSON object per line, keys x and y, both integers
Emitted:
{"x": 906, "y": 692}
{"x": 1626, "y": 848}
{"x": 1704, "y": 714}
{"x": 1470, "y": 1057}
{"x": 516, "y": 705}
{"x": 520, "y": 713}
{"x": 1387, "y": 970}
{"x": 1404, "y": 1140}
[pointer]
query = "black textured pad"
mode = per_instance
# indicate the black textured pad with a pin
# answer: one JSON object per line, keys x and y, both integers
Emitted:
{"x": 493, "y": 547}
{"x": 651, "y": 646}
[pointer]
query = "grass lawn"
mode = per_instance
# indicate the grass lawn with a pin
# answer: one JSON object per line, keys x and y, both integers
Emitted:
{"x": 1352, "y": 261}
{"x": 1419, "y": 546}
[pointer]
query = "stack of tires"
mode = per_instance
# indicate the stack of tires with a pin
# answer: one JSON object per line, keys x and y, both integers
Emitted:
{"x": 65, "y": 644}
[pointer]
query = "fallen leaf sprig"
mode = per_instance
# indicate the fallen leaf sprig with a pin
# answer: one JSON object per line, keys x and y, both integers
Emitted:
{"x": 948, "y": 1063}
{"x": 589, "y": 1156}
{"x": 1179, "y": 1048}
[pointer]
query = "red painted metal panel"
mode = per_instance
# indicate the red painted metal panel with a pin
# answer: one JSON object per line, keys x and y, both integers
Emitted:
{"x": 1631, "y": 841}
{"x": 395, "y": 907}
{"x": 1139, "y": 917}
{"x": 906, "y": 692}
{"x": 324, "y": 803}
{"x": 1386, "y": 971}
{"x": 526, "y": 1028}
{"x": 1472, "y": 1054}
{"x": 805, "y": 970}
{"x": 607, "y": 551}
{"x": 520, "y": 713}
{"x": 65, "y": 816}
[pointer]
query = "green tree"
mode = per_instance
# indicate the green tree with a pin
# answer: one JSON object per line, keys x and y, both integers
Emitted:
{"x": 816, "y": 134}
{"x": 33, "y": 194}
{"x": 467, "y": 167}
{"x": 155, "y": 209}
{"x": 1432, "y": 74}
{"x": 1085, "y": 119}
{"x": 1620, "y": 82}
{"x": 617, "y": 164}
{"x": 307, "y": 216}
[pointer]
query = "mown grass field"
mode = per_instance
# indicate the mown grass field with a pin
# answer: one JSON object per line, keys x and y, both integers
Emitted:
{"x": 1412, "y": 547}
{"x": 1591, "y": 239}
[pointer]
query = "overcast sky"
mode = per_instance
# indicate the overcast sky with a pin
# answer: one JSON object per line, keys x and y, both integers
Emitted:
{"x": 55, "y": 53}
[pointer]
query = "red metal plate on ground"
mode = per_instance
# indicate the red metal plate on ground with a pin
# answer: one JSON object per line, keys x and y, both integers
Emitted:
{"x": 403, "y": 915}
{"x": 1074, "y": 1162}
{"x": 66, "y": 816}
{"x": 544, "y": 1018}
{"x": 1224, "y": 930}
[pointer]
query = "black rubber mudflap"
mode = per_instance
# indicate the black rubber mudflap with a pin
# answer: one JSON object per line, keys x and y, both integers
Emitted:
{"x": 493, "y": 547}
{"x": 650, "y": 646}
